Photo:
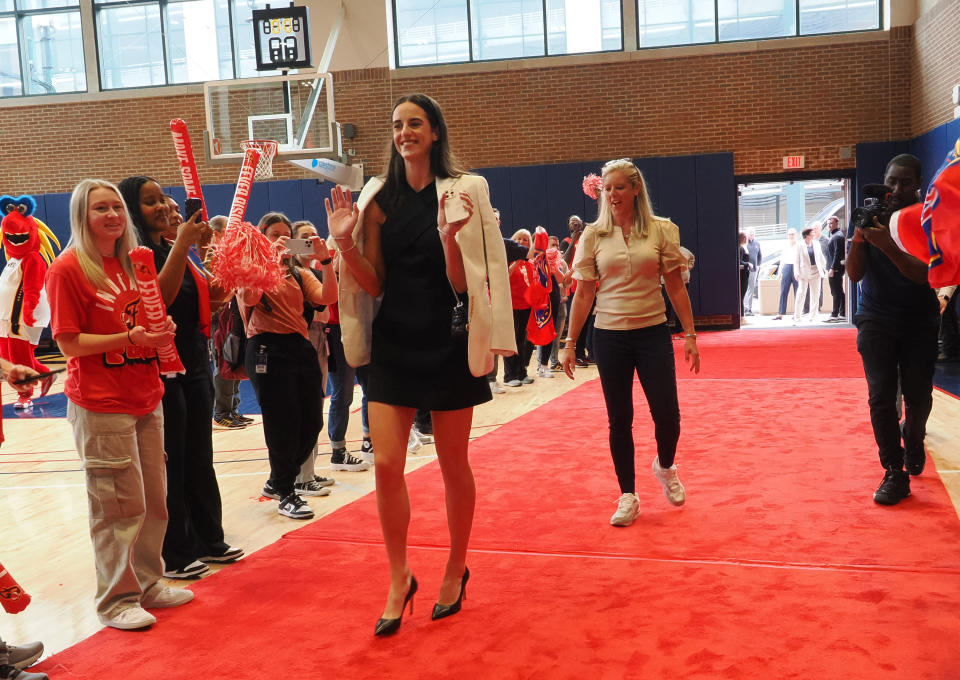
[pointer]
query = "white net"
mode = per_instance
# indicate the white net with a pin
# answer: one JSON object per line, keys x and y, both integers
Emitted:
{"x": 267, "y": 149}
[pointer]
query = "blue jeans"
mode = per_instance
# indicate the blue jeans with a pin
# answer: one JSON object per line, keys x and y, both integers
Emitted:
{"x": 787, "y": 280}
{"x": 648, "y": 352}
{"x": 341, "y": 381}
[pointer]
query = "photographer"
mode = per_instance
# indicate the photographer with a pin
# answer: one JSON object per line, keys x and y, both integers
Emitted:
{"x": 897, "y": 321}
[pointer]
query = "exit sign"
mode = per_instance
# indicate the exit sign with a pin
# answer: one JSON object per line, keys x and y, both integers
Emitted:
{"x": 792, "y": 162}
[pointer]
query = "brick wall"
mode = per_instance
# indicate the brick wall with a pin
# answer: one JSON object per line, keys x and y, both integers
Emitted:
{"x": 934, "y": 66}
{"x": 761, "y": 105}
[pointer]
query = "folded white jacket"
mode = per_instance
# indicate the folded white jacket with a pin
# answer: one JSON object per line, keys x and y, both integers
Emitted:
{"x": 488, "y": 284}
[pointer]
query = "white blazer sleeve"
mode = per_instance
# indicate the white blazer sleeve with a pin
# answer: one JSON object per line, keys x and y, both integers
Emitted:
{"x": 488, "y": 284}
{"x": 357, "y": 307}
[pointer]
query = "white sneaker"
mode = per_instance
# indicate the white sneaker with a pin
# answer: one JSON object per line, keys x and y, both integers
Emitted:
{"x": 294, "y": 507}
{"x": 544, "y": 372}
{"x": 195, "y": 569}
{"x": 672, "y": 488}
{"x": 422, "y": 436}
{"x": 165, "y": 596}
{"x": 513, "y": 383}
{"x": 628, "y": 508}
{"x": 130, "y": 618}
{"x": 496, "y": 387}
{"x": 413, "y": 441}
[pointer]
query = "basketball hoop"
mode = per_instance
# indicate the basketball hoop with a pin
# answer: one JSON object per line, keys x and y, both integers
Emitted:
{"x": 267, "y": 149}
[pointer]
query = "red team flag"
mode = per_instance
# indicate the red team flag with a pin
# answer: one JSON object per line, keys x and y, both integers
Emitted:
{"x": 931, "y": 231}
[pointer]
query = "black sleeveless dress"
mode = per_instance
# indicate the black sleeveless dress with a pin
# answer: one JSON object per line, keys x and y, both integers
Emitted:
{"x": 414, "y": 361}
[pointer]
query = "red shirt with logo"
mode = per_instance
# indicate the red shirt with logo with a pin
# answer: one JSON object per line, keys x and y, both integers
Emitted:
{"x": 119, "y": 381}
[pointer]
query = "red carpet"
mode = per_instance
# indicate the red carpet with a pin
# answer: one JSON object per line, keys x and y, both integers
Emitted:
{"x": 779, "y": 565}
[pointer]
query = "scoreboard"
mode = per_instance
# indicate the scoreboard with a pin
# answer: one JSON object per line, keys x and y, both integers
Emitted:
{"x": 281, "y": 38}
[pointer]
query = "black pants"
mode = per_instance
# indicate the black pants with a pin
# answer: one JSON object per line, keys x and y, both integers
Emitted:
{"x": 290, "y": 402}
{"x": 893, "y": 354}
{"x": 836, "y": 291}
{"x": 515, "y": 367}
{"x": 195, "y": 527}
{"x": 649, "y": 353}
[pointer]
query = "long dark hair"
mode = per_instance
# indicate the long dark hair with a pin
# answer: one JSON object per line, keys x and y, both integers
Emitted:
{"x": 130, "y": 191}
{"x": 442, "y": 161}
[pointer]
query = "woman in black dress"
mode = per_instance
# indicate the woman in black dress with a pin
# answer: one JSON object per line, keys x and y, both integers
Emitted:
{"x": 409, "y": 254}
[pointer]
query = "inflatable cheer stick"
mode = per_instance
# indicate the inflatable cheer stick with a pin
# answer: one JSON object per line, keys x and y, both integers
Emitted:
{"x": 245, "y": 258}
{"x": 188, "y": 166}
{"x": 12, "y": 596}
{"x": 154, "y": 311}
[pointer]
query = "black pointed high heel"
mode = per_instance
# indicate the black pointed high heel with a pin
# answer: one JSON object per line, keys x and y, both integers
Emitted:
{"x": 441, "y": 611}
{"x": 390, "y": 626}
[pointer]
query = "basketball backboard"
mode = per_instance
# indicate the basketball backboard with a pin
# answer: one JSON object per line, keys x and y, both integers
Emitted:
{"x": 296, "y": 111}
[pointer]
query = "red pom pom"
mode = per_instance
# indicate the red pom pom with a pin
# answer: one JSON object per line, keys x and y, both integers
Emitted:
{"x": 245, "y": 258}
{"x": 592, "y": 186}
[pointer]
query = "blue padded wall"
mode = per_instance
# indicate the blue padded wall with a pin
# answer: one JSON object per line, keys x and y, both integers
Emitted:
{"x": 716, "y": 272}
{"x": 931, "y": 149}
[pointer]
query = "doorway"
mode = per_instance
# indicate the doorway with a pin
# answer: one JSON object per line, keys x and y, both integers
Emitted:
{"x": 775, "y": 214}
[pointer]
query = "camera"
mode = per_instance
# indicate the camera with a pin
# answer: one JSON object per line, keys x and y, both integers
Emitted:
{"x": 458, "y": 321}
{"x": 875, "y": 204}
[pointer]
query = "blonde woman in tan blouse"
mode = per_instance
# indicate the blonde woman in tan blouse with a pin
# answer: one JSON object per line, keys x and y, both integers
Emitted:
{"x": 619, "y": 262}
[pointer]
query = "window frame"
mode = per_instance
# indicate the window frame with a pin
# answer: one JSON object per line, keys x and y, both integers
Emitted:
{"x": 19, "y": 15}
{"x": 470, "y": 49}
{"x": 716, "y": 29}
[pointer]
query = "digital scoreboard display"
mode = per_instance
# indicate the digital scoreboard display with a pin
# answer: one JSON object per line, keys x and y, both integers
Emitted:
{"x": 281, "y": 38}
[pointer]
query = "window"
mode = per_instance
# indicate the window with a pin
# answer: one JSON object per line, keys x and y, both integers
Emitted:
{"x": 830, "y": 16}
{"x": 668, "y": 22}
{"x": 449, "y": 31}
{"x": 163, "y": 42}
{"x": 41, "y": 47}
{"x": 686, "y": 22}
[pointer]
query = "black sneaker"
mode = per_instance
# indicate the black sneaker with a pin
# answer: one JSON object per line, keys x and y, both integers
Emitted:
{"x": 341, "y": 460}
{"x": 295, "y": 507}
{"x": 270, "y": 492}
{"x": 893, "y": 489}
{"x": 241, "y": 418}
{"x": 228, "y": 556}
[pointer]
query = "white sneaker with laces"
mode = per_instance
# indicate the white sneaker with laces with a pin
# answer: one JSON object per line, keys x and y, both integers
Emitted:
{"x": 413, "y": 441}
{"x": 496, "y": 387}
{"x": 294, "y": 507}
{"x": 628, "y": 509}
{"x": 672, "y": 488}
{"x": 544, "y": 372}
{"x": 195, "y": 569}
{"x": 130, "y": 618}
{"x": 165, "y": 596}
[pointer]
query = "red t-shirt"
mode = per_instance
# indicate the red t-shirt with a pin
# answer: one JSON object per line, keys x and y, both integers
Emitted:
{"x": 119, "y": 381}
{"x": 519, "y": 282}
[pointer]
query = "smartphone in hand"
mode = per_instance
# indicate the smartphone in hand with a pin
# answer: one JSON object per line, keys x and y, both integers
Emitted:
{"x": 193, "y": 205}
{"x": 453, "y": 208}
{"x": 300, "y": 246}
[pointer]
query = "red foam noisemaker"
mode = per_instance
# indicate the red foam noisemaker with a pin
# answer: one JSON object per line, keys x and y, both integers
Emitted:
{"x": 154, "y": 311}
{"x": 13, "y": 598}
{"x": 188, "y": 165}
